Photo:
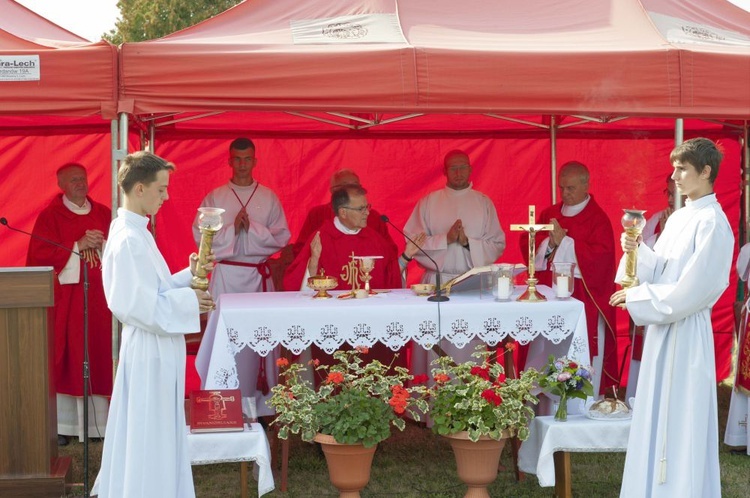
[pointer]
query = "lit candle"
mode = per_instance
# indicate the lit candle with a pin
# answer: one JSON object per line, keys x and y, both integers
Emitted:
{"x": 503, "y": 288}
{"x": 562, "y": 286}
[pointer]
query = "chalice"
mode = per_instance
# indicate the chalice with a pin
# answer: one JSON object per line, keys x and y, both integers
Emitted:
{"x": 366, "y": 265}
{"x": 209, "y": 223}
{"x": 322, "y": 283}
{"x": 633, "y": 222}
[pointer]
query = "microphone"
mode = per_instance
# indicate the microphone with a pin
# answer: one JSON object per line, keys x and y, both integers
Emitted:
{"x": 4, "y": 221}
{"x": 438, "y": 297}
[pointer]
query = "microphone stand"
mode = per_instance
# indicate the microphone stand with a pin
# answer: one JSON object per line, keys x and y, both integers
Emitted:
{"x": 86, "y": 373}
{"x": 438, "y": 297}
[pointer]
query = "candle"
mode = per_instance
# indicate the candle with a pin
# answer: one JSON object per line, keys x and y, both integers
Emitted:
{"x": 503, "y": 288}
{"x": 562, "y": 286}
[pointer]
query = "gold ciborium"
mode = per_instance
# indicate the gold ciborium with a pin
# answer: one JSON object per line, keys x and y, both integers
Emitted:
{"x": 209, "y": 222}
{"x": 322, "y": 283}
{"x": 633, "y": 222}
{"x": 366, "y": 265}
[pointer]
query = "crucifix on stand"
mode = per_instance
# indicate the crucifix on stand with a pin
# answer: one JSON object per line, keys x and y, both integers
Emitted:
{"x": 531, "y": 294}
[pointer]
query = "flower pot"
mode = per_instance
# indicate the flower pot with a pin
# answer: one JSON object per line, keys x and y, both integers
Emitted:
{"x": 476, "y": 463}
{"x": 348, "y": 465}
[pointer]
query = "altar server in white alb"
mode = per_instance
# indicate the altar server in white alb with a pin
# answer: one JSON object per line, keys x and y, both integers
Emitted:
{"x": 463, "y": 231}
{"x": 254, "y": 229}
{"x": 145, "y": 447}
{"x": 673, "y": 448}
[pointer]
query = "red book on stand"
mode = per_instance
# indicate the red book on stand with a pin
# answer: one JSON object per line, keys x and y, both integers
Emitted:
{"x": 216, "y": 411}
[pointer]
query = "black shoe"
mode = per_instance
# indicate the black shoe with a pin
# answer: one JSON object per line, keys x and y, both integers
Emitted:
{"x": 740, "y": 452}
{"x": 62, "y": 440}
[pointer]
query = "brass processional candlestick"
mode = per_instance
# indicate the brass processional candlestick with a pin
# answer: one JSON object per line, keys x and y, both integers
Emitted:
{"x": 633, "y": 222}
{"x": 531, "y": 294}
{"x": 209, "y": 222}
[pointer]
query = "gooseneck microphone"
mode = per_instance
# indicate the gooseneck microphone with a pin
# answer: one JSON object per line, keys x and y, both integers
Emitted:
{"x": 86, "y": 374}
{"x": 438, "y": 297}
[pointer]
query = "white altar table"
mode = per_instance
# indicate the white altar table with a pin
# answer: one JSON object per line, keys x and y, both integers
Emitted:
{"x": 262, "y": 321}
{"x": 546, "y": 451}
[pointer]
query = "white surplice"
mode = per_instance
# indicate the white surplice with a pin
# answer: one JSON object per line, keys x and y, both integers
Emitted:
{"x": 434, "y": 215}
{"x": 673, "y": 446}
{"x": 145, "y": 447}
{"x": 267, "y": 234}
{"x": 737, "y": 433}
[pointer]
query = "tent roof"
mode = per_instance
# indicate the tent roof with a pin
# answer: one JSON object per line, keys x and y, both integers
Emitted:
{"x": 610, "y": 57}
{"x": 77, "y": 77}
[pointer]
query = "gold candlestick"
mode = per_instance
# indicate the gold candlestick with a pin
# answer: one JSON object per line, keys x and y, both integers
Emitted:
{"x": 633, "y": 222}
{"x": 531, "y": 294}
{"x": 209, "y": 222}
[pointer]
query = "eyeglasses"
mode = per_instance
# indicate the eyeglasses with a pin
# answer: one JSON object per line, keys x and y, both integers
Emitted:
{"x": 361, "y": 209}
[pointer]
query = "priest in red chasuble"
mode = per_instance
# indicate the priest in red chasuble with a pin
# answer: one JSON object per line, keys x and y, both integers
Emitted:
{"x": 331, "y": 247}
{"x": 582, "y": 234}
{"x": 76, "y": 222}
{"x": 324, "y": 212}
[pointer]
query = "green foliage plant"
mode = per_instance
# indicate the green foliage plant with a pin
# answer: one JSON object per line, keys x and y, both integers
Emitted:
{"x": 356, "y": 402}
{"x": 479, "y": 398}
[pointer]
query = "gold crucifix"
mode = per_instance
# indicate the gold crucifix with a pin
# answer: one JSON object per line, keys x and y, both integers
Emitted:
{"x": 531, "y": 294}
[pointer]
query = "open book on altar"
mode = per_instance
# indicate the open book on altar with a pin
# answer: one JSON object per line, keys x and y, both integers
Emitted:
{"x": 218, "y": 410}
{"x": 466, "y": 282}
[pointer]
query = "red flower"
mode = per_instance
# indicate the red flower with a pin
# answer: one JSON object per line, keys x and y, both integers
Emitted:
{"x": 362, "y": 349}
{"x": 511, "y": 346}
{"x": 420, "y": 379}
{"x": 335, "y": 378}
{"x": 441, "y": 378}
{"x": 399, "y": 399}
{"x": 492, "y": 397}
{"x": 573, "y": 365}
{"x": 500, "y": 379}
{"x": 483, "y": 372}
{"x": 314, "y": 362}
{"x": 289, "y": 395}
{"x": 282, "y": 362}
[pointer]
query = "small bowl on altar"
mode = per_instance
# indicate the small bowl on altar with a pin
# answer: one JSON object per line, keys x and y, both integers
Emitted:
{"x": 322, "y": 283}
{"x": 423, "y": 289}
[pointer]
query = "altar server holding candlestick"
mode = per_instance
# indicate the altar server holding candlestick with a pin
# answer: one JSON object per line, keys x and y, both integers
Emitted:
{"x": 673, "y": 448}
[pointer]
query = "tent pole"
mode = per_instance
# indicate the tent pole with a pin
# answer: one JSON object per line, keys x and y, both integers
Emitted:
{"x": 553, "y": 156}
{"x": 679, "y": 137}
{"x": 119, "y": 151}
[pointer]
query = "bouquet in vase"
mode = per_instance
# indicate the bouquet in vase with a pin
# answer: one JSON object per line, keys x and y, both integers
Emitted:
{"x": 566, "y": 378}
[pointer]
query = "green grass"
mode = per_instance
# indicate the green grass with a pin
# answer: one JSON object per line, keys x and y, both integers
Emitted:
{"x": 416, "y": 464}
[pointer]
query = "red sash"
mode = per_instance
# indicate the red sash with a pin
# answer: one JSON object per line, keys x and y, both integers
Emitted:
{"x": 263, "y": 269}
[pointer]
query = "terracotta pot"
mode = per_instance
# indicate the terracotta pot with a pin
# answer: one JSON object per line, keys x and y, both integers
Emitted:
{"x": 476, "y": 463}
{"x": 348, "y": 465}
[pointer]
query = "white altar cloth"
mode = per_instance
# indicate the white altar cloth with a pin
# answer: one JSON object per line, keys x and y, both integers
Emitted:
{"x": 578, "y": 434}
{"x": 261, "y": 321}
{"x": 251, "y": 445}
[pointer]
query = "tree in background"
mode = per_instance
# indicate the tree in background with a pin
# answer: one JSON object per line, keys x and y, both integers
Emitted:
{"x": 148, "y": 19}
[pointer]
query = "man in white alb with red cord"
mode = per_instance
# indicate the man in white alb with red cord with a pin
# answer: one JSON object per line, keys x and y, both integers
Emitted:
{"x": 254, "y": 228}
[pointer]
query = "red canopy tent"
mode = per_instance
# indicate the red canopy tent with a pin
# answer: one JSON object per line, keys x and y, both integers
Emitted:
{"x": 388, "y": 87}
{"x": 62, "y": 116}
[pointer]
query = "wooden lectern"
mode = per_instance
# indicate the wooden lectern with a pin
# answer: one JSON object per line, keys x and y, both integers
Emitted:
{"x": 29, "y": 465}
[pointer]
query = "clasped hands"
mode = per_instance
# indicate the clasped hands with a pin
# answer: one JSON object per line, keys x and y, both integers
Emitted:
{"x": 205, "y": 301}
{"x": 456, "y": 234}
{"x": 92, "y": 239}
{"x": 241, "y": 221}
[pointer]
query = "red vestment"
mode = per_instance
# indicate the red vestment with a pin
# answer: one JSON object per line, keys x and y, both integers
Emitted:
{"x": 320, "y": 214}
{"x": 57, "y": 223}
{"x": 742, "y": 379}
{"x": 337, "y": 247}
{"x": 595, "y": 254}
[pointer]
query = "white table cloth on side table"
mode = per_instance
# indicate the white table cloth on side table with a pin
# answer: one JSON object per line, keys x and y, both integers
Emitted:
{"x": 578, "y": 434}
{"x": 261, "y": 321}
{"x": 250, "y": 445}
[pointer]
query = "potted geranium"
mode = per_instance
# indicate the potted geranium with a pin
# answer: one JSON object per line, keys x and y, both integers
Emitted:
{"x": 566, "y": 378}
{"x": 349, "y": 413}
{"x": 477, "y": 408}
